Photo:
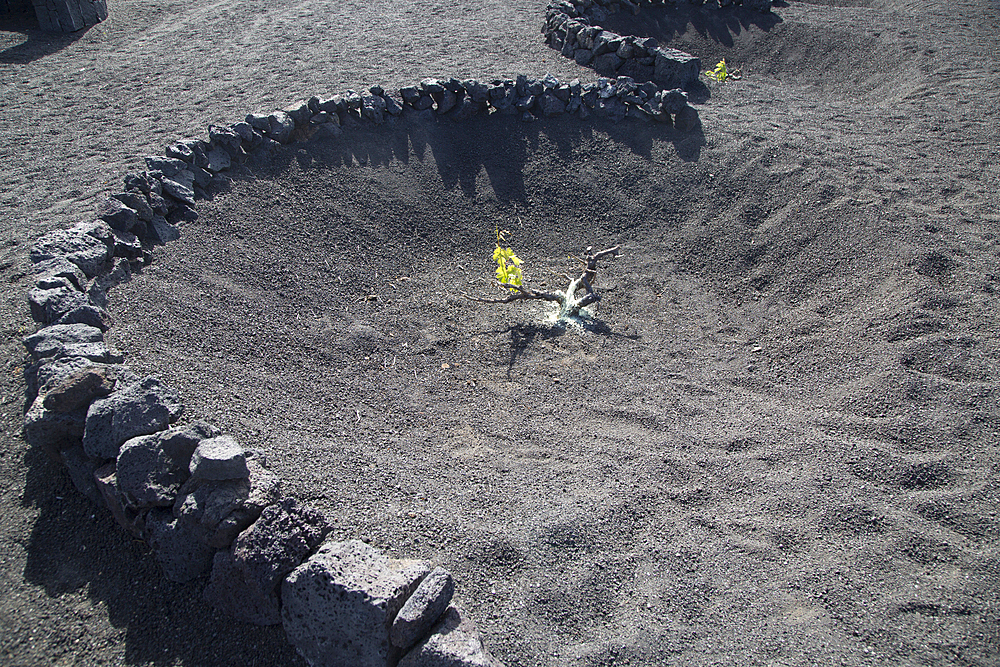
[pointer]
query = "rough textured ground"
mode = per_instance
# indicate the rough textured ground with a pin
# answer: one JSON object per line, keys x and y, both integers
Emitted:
{"x": 775, "y": 445}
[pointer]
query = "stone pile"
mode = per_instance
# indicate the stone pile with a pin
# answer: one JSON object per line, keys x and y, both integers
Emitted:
{"x": 571, "y": 27}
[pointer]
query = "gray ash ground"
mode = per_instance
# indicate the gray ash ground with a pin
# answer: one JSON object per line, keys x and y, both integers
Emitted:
{"x": 774, "y": 445}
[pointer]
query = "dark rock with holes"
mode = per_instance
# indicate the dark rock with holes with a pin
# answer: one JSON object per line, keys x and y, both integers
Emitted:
{"x": 675, "y": 69}
{"x": 202, "y": 504}
{"x": 97, "y": 229}
{"x": 265, "y": 489}
{"x": 244, "y": 131}
{"x": 117, "y": 214}
{"x": 127, "y": 245}
{"x": 179, "y": 191}
{"x": 81, "y": 470}
{"x": 53, "y": 431}
{"x": 152, "y": 468}
{"x": 98, "y": 352}
{"x": 50, "y": 340}
{"x": 373, "y": 108}
{"x": 219, "y": 458}
{"x": 47, "y": 273}
{"x": 182, "y": 214}
{"x": 81, "y": 388}
{"x": 75, "y": 245}
{"x": 202, "y": 177}
{"x": 220, "y": 509}
{"x": 98, "y": 291}
{"x": 159, "y": 205}
{"x": 299, "y": 112}
{"x": 137, "y": 182}
{"x": 181, "y": 554}
{"x": 607, "y": 64}
{"x": 423, "y": 609}
{"x": 606, "y": 42}
{"x": 46, "y": 373}
{"x": 133, "y": 522}
{"x": 245, "y": 580}
{"x": 454, "y": 642}
{"x": 225, "y": 138}
{"x": 502, "y": 97}
{"x": 338, "y": 605}
{"x": 218, "y": 160}
{"x": 90, "y": 315}
{"x": 432, "y": 86}
{"x": 446, "y": 101}
{"x": 162, "y": 231}
{"x": 673, "y": 101}
{"x": 425, "y": 102}
{"x": 477, "y": 92}
{"x": 136, "y": 202}
{"x": 410, "y": 95}
{"x": 258, "y": 121}
{"x": 465, "y": 110}
{"x": 48, "y": 305}
{"x": 180, "y": 151}
{"x": 140, "y": 408}
{"x": 167, "y": 166}
{"x": 611, "y": 108}
{"x": 393, "y": 107}
{"x": 284, "y": 535}
{"x": 550, "y": 105}
{"x": 280, "y": 127}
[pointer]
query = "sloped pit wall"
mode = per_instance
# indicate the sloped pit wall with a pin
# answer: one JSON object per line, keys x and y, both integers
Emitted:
{"x": 572, "y": 27}
{"x": 205, "y": 504}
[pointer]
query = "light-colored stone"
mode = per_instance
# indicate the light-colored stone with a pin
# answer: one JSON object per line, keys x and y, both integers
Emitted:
{"x": 455, "y": 642}
{"x": 219, "y": 458}
{"x": 337, "y": 607}
{"x": 423, "y": 609}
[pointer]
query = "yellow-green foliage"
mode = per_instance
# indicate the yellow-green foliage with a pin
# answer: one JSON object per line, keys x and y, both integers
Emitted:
{"x": 722, "y": 72}
{"x": 508, "y": 264}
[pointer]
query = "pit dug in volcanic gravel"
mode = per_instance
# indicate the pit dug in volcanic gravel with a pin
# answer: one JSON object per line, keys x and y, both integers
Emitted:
{"x": 691, "y": 461}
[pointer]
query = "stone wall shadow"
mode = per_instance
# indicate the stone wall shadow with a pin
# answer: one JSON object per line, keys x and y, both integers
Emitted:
{"x": 496, "y": 144}
{"x": 76, "y": 547}
{"x": 39, "y": 43}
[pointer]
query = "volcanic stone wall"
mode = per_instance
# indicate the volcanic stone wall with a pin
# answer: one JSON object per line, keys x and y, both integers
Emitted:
{"x": 572, "y": 28}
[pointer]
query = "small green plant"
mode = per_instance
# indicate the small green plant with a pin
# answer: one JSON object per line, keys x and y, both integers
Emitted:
{"x": 508, "y": 264}
{"x": 722, "y": 72}
{"x": 509, "y": 277}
